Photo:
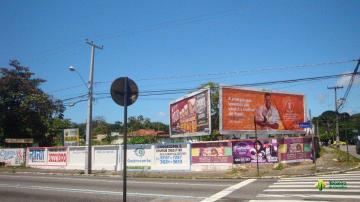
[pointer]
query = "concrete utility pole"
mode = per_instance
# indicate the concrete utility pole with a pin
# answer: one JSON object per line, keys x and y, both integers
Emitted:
{"x": 336, "y": 111}
{"x": 89, "y": 110}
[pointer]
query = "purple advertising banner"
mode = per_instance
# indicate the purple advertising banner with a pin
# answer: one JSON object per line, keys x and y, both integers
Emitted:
{"x": 212, "y": 152}
{"x": 295, "y": 149}
{"x": 251, "y": 151}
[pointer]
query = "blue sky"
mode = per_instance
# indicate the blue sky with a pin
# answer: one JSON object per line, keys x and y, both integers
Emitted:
{"x": 175, "y": 44}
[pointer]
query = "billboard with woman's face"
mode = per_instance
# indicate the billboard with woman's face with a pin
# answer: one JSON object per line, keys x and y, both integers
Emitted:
{"x": 271, "y": 112}
{"x": 190, "y": 115}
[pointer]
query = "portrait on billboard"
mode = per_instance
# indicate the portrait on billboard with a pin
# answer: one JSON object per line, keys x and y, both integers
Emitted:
{"x": 272, "y": 112}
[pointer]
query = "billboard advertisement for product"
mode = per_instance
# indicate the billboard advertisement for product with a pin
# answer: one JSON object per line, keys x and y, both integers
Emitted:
{"x": 273, "y": 112}
{"x": 211, "y": 152}
{"x": 251, "y": 151}
{"x": 190, "y": 115}
{"x": 295, "y": 149}
{"x": 71, "y": 137}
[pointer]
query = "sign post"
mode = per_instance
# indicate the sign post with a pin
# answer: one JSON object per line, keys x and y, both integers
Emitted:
{"x": 124, "y": 92}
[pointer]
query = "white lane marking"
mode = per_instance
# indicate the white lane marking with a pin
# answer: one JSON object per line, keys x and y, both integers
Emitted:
{"x": 304, "y": 186}
{"x": 308, "y": 182}
{"x": 313, "y": 177}
{"x": 93, "y": 191}
{"x": 228, "y": 191}
{"x": 318, "y": 178}
{"x": 120, "y": 180}
{"x": 312, "y": 190}
{"x": 283, "y": 201}
{"x": 310, "y": 196}
{"x": 354, "y": 172}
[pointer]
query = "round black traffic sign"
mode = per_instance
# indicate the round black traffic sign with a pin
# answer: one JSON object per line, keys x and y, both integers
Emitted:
{"x": 118, "y": 91}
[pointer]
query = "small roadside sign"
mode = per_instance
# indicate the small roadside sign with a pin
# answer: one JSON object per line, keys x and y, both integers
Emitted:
{"x": 306, "y": 124}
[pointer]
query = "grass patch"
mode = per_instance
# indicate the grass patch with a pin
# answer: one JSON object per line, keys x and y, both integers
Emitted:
{"x": 344, "y": 157}
{"x": 279, "y": 166}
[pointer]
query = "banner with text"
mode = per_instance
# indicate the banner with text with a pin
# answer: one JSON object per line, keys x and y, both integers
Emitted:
{"x": 57, "y": 156}
{"x": 12, "y": 157}
{"x": 295, "y": 149}
{"x": 171, "y": 157}
{"x": 36, "y": 156}
{"x": 273, "y": 112}
{"x": 140, "y": 156}
{"x": 190, "y": 115}
{"x": 211, "y": 152}
{"x": 71, "y": 137}
{"x": 251, "y": 151}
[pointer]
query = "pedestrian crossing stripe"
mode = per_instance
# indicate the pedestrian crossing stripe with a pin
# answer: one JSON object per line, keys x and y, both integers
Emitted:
{"x": 303, "y": 188}
{"x": 332, "y": 196}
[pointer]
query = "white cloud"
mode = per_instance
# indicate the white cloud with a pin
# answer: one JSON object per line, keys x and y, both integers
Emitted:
{"x": 344, "y": 80}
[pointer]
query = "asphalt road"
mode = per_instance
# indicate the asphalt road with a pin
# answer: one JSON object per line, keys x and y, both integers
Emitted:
{"x": 31, "y": 187}
{"x": 352, "y": 150}
{"x": 28, "y": 187}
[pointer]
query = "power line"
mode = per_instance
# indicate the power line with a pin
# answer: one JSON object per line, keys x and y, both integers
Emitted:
{"x": 231, "y": 73}
{"x": 224, "y": 74}
{"x": 351, "y": 81}
{"x": 184, "y": 90}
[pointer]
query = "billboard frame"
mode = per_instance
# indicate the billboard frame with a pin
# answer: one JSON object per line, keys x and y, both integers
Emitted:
{"x": 252, "y": 132}
{"x": 196, "y": 134}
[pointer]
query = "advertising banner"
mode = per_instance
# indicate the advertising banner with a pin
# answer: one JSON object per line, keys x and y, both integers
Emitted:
{"x": 190, "y": 115}
{"x": 273, "y": 112}
{"x": 140, "y": 156}
{"x": 251, "y": 151}
{"x": 36, "y": 156}
{"x": 12, "y": 157}
{"x": 71, "y": 137}
{"x": 295, "y": 149}
{"x": 57, "y": 156}
{"x": 172, "y": 157}
{"x": 211, "y": 152}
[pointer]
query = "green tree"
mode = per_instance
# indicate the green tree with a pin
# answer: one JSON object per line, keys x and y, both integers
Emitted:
{"x": 214, "y": 102}
{"x": 25, "y": 110}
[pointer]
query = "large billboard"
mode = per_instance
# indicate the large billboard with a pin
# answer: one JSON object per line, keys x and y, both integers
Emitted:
{"x": 273, "y": 112}
{"x": 190, "y": 115}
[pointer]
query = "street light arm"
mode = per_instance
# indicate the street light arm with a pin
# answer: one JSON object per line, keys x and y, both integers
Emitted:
{"x": 71, "y": 68}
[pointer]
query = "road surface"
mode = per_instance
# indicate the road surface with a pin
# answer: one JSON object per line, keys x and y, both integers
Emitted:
{"x": 31, "y": 187}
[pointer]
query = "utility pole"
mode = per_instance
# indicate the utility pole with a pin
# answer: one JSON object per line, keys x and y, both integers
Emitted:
{"x": 89, "y": 110}
{"x": 336, "y": 111}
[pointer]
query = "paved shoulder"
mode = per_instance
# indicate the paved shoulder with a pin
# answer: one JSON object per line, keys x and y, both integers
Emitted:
{"x": 338, "y": 187}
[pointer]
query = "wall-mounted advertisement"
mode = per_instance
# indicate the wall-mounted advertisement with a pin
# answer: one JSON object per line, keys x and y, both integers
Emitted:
{"x": 251, "y": 151}
{"x": 211, "y": 152}
{"x": 57, "y": 156}
{"x": 190, "y": 115}
{"x": 140, "y": 156}
{"x": 295, "y": 149}
{"x": 71, "y": 137}
{"x": 171, "y": 157}
{"x": 273, "y": 112}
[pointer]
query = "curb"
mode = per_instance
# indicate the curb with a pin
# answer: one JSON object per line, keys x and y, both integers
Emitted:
{"x": 190, "y": 177}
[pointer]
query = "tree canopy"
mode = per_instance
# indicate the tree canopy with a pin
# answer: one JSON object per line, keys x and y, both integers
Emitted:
{"x": 25, "y": 110}
{"x": 347, "y": 125}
